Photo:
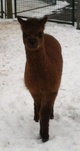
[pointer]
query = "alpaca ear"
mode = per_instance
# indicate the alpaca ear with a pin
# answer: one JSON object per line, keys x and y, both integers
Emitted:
{"x": 21, "y": 21}
{"x": 43, "y": 20}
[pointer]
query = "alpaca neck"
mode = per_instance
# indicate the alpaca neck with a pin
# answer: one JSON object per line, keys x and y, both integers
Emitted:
{"x": 36, "y": 61}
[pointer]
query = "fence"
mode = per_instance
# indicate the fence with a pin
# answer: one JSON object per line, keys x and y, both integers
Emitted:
{"x": 32, "y": 8}
{"x": 1, "y": 8}
{"x": 56, "y": 10}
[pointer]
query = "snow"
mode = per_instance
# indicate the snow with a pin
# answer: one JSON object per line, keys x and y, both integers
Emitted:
{"x": 18, "y": 130}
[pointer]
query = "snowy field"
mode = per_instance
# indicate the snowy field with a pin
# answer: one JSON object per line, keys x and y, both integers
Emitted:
{"x": 18, "y": 131}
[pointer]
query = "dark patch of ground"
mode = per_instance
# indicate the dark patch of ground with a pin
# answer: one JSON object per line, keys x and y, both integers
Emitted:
{"x": 66, "y": 14}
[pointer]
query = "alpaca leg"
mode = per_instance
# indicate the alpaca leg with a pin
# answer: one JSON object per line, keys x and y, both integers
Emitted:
{"x": 36, "y": 112}
{"x": 37, "y": 104}
{"x": 52, "y": 110}
{"x": 36, "y": 115}
{"x": 46, "y": 112}
{"x": 52, "y": 113}
{"x": 44, "y": 123}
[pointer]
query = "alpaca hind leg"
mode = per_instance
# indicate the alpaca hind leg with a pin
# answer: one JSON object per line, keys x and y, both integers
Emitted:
{"x": 37, "y": 105}
{"x": 52, "y": 113}
{"x": 36, "y": 112}
{"x": 36, "y": 116}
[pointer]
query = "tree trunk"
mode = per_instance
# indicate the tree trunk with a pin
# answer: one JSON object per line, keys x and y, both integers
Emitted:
{"x": 78, "y": 15}
{"x": 9, "y": 9}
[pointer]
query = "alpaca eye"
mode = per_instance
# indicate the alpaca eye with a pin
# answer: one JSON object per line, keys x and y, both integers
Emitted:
{"x": 25, "y": 35}
{"x": 40, "y": 34}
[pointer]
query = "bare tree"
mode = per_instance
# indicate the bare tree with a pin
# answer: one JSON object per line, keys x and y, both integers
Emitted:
{"x": 78, "y": 15}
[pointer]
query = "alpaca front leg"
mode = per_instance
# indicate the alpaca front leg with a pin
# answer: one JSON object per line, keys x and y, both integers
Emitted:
{"x": 46, "y": 113}
{"x": 44, "y": 123}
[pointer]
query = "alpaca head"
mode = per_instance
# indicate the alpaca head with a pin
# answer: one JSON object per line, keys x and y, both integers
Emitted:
{"x": 33, "y": 32}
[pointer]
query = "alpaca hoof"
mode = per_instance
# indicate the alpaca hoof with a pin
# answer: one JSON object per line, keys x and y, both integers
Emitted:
{"x": 52, "y": 117}
{"x": 45, "y": 140}
{"x": 36, "y": 119}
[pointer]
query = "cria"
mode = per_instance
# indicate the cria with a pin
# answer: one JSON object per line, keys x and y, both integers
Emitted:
{"x": 43, "y": 70}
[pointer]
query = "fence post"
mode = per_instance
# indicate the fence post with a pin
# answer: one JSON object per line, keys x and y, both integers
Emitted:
{"x": 9, "y": 9}
{"x": 1, "y": 9}
{"x": 73, "y": 11}
{"x": 78, "y": 15}
{"x": 15, "y": 8}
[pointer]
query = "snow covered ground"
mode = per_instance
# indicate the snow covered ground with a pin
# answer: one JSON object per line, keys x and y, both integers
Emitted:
{"x": 18, "y": 131}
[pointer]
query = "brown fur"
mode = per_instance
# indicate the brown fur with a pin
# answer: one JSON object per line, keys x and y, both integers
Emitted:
{"x": 43, "y": 70}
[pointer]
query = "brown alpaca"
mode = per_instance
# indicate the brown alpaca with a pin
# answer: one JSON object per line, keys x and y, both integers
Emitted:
{"x": 43, "y": 70}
